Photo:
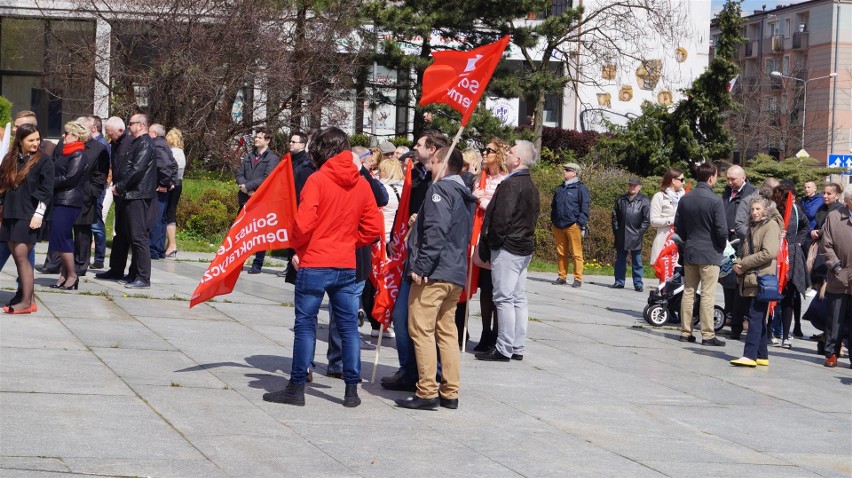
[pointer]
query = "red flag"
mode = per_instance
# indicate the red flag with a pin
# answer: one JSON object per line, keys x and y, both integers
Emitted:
{"x": 458, "y": 78}
{"x": 478, "y": 219}
{"x": 263, "y": 224}
{"x": 783, "y": 259}
{"x": 665, "y": 264}
{"x": 387, "y": 271}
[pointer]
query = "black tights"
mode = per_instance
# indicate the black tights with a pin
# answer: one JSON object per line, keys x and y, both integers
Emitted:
{"x": 791, "y": 305}
{"x": 20, "y": 254}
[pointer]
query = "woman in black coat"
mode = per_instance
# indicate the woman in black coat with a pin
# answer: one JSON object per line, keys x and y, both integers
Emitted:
{"x": 68, "y": 186}
{"x": 26, "y": 186}
{"x": 797, "y": 275}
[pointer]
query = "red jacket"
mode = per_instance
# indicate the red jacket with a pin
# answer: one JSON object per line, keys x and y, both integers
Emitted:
{"x": 337, "y": 213}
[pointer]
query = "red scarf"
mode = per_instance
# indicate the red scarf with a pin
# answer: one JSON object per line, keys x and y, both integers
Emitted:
{"x": 69, "y": 148}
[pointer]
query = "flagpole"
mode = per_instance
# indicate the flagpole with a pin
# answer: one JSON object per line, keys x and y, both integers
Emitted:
{"x": 467, "y": 301}
{"x": 447, "y": 157}
{"x": 378, "y": 349}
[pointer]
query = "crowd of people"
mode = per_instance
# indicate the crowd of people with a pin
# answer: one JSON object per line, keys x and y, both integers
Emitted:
{"x": 62, "y": 192}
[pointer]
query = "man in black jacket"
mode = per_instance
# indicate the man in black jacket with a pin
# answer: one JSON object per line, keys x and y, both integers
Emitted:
{"x": 437, "y": 266}
{"x": 298, "y": 153}
{"x": 256, "y": 166}
{"x": 631, "y": 217}
{"x": 134, "y": 181}
{"x": 167, "y": 169}
{"x": 700, "y": 222}
{"x": 508, "y": 232}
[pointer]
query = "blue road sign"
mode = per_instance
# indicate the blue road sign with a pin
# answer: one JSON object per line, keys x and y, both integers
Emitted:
{"x": 840, "y": 161}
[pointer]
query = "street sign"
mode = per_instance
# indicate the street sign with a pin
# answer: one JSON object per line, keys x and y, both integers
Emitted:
{"x": 802, "y": 154}
{"x": 840, "y": 161}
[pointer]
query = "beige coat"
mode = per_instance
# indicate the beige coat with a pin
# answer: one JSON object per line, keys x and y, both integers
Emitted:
{"x": 662, "y": 217}
{"x": 836, "y": 248}
{"x": 765, "y": 237}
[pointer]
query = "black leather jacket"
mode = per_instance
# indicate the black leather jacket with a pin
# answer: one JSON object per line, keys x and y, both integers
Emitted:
{"x": 69, "y": 176}
{"x": 136, "y": 173}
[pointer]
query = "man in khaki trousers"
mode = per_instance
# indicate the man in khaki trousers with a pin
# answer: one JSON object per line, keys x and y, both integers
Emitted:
{"x": 701, "y": 224}
{"x": 437, "y": 266}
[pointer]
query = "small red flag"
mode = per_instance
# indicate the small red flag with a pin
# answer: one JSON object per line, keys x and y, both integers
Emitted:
{"x": 263, "y": 224}
{"x": 783, "y": 259}
{"x": 459, "y": 78}
{"x": 478, "y": 219}
{"x": 666, "y": 261}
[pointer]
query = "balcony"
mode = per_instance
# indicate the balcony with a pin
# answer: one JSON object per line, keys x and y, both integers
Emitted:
{"x": 774, "y": 44}
{"x": 751, "y": 49}
{"x": 800, "y": 40}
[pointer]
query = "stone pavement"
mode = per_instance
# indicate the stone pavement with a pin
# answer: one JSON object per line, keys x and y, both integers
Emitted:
{"x": 108, "y": 383}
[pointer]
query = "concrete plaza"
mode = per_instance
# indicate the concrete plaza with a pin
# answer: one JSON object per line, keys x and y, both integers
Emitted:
{"x": 108, "y": 382}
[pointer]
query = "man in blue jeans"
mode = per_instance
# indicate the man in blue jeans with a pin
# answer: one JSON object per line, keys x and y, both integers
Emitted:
{"x": 631, "y": 217}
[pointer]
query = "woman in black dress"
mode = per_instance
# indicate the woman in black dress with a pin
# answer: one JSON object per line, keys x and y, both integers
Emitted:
{"x": 68, "y": 185}
{"x": 26, "y": 187}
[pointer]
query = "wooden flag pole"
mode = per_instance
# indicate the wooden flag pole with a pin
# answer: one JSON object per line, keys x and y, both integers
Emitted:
{"x": 467, "y": 294}
{"x": 447, "y": 157}
{"x": 376, "y": 357}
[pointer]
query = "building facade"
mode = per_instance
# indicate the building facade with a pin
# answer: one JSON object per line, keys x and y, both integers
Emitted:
{"x": 795, "y": 84}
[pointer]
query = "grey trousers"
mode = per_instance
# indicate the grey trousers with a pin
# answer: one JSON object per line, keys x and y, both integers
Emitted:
{"x": 509, "y": 276}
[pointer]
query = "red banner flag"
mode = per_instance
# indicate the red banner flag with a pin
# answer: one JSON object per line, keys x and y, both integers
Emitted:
{"x": 263, "y": 224}
{"x": 665, "y": 264}
{"x": 478, "y": 219}
{"x": 783, "y": 259}
{"x": 387, "y": 271}
{"x": 459, "y": 78}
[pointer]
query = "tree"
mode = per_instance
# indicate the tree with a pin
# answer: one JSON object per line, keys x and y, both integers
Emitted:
{"x": 564, "y": 49}
{"x": 694, "y": 131}
{"x": 198, "y": 65}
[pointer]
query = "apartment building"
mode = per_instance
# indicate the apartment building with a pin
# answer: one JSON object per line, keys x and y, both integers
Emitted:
{"x": 795, "y": 86}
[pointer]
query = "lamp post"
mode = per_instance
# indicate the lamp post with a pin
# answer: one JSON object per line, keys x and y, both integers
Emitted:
{"x": 805, "y": 96}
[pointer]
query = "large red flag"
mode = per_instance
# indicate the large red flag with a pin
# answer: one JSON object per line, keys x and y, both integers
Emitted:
{"x": 458, "y": 78}
{"x": 387, "y": 271}
{"x": 263, "y": 224}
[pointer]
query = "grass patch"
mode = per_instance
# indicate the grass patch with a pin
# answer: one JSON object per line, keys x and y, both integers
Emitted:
{"x": 101, "y": 293}
{"x": 176, "y": 384}
{"x": 138, "y": 296}
{"x": 115, "y": 345}
{"x": 177, "y": 298}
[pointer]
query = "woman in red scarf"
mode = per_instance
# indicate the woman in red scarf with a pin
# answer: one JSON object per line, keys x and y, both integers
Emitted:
{"x": 68, "y": 186}
{"x": 26, "y": 184}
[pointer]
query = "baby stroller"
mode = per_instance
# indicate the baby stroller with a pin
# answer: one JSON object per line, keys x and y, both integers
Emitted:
{"x": 664, "y": 302}
{"x": 664, "y": 305}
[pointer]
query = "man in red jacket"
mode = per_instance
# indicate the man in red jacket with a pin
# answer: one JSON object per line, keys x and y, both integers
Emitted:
{"x": 337, "y": 213}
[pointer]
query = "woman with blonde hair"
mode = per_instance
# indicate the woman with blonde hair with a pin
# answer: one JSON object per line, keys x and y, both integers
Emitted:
{"x": 68, "y": 186}
{"x": 493, "y": 172}
{"x": 26, "y": 188}
{"x": 663, "y": 208}
{"x": 391, "y": 176}
{"x": 175, "y": 140}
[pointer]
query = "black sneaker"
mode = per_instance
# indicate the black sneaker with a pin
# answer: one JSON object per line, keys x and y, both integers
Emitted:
{"x": 492, "y": 356}
{"x": 97, "y": 265}
{"x": 254, "y": 270}
{"x": 715, "y": 342}
{"x": 559, "y": 281}
{"x": 617, "y": 286}
{"x": 350, "y": 397}
{"x": 577, "y": 284}
{"x": 687, "y": 338}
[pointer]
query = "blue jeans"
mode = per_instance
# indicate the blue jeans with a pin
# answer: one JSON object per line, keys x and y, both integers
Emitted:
{"x": 157, "y": 238}
{"x": 5, "y": 254}
{"x": 404, "y": 344}
{"x": 757, "y": 336}
{"x": 621, "y": 267}
{"x": 311, "y": 286}
{"x": 335, "y": 352}
{"x": 99, "y": 230}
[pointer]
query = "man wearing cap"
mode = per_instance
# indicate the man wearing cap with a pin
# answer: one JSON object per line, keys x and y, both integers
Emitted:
{"x": 631, "y": 217}
{"x": 569, "y": 214}
{"x": 387, "y": 149}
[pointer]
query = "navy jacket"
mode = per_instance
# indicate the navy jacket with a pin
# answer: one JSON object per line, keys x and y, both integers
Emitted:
{"x": 700, "y": 221}
{"x": 570, "y": 205}
{"x": 438, "y": 244}
{"x": 811, "y": 205}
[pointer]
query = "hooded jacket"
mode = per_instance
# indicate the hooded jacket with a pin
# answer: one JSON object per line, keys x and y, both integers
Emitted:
{"x": 760, "y": 253}
{"x": 336, "y": 214}
{"x": 438, "y": 245}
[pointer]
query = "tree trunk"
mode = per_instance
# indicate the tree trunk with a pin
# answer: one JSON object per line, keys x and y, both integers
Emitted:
{"x": 538, "y": 120}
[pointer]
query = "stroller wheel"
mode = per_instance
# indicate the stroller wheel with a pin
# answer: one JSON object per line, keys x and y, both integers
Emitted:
{"x": 719, "y": 318}
{"x": 655, "y": 314}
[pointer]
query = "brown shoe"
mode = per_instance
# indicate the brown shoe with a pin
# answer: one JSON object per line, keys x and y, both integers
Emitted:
{"x": 831, "y": 361}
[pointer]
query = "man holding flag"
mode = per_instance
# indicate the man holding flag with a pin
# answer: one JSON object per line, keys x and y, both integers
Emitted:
{"x": 438, "y": 269}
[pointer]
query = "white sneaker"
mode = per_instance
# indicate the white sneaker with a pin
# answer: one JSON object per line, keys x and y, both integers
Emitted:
{"x": 374, "y": 333}
{"x": 775, "y": 342}
{"x": 787, "y": 343}
{"x": 389, "y": 334}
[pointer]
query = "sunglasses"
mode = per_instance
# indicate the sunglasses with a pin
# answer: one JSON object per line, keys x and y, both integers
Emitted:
{"x": 680, "y": 179}
{"x": 133, "y": 123}
{"x": 489, "y": 151}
